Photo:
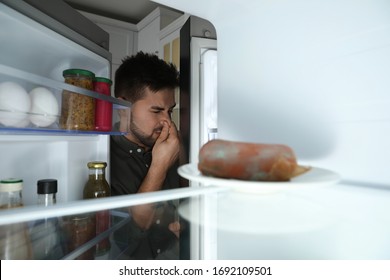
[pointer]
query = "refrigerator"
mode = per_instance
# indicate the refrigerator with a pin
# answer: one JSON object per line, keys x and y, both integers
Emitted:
{"x": 312, "y": 75}
{"x": 41, "y": 39}
{"x": 308, "y": 74}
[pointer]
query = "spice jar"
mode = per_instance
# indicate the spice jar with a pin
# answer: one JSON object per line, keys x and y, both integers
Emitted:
{"x": 103, "y": 112}
{"x": 78, "y": 110}
{"x": 46, "y": 234}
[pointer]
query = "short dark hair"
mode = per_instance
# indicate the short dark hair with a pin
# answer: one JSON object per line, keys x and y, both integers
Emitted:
{"x": 141, "y": 71}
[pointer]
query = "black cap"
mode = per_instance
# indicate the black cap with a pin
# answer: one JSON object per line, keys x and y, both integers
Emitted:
{"x": 46, "y": 186}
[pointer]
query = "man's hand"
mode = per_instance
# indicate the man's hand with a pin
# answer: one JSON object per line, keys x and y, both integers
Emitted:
{"x": 167, "y": 147}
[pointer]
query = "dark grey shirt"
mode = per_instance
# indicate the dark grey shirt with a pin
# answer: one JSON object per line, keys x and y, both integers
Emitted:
{"x": 129, "y": 165}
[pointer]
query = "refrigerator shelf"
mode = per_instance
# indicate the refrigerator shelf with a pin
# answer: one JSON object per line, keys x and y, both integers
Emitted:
{"x": 50, "y": 131}
{"x": 24, "y": 77}
{"x": 22, "y": 112}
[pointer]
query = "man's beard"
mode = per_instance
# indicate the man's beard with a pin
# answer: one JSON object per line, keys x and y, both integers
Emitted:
{"x": 146, "y": 140}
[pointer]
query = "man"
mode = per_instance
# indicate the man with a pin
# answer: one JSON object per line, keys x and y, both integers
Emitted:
{"x": 146, "y": 158}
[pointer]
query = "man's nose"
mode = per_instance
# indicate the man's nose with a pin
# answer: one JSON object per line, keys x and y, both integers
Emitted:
{"x": 165, "y": 116}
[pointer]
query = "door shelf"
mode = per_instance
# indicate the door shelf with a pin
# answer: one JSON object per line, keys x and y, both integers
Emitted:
{"x": 17, "y": 115}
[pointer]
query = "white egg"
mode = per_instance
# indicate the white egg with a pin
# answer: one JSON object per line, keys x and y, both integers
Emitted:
{"x": 24, "y": 123}
{"x": 44, "y": 107}
{"x": 14, "y": 104}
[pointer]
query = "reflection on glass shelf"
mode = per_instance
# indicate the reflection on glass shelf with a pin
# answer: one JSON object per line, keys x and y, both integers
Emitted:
{"x": 80, "y": 241}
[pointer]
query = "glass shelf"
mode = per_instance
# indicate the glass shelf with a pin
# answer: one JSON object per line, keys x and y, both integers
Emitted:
{"x": 16, "y": 120}
{"x": 34, "y": 225}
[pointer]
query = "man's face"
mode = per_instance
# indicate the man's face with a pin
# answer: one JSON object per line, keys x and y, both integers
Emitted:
{"x": 148, "y": 114}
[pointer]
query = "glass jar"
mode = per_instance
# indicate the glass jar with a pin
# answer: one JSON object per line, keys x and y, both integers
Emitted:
{"x": 14, "y": 239}
{"x": 103, "y": 112}
{"x": 46, "y": 234}
{"x": 78, "y": 110}
{"x": 11, "y": 193}
{"x": 80, "y": 229}
{"x": 97, "y": 187}
{"x": 47, "y": 192}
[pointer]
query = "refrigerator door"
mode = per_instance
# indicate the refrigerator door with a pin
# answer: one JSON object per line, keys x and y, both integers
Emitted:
{"x": 203, "y": 99}
{"x": 32, "y": 56}
{"x": 209, "y": 107}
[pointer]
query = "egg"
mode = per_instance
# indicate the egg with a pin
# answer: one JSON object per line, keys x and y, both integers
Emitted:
{"x": 22, "y": 124}
{"x": 44, "y": 107}
{"x": 14, "y": 104}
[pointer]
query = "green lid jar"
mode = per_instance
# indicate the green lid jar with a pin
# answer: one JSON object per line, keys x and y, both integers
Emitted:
{"x": 78, "y": 110}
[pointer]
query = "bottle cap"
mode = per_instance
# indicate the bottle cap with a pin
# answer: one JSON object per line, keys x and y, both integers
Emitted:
{"x": 11, "y": 185}
{"x": 46, "y": 186}
{"x": 97, "y": 164}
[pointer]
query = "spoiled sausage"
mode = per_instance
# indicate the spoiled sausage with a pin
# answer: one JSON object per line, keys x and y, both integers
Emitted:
{"x": 248, "y": 161}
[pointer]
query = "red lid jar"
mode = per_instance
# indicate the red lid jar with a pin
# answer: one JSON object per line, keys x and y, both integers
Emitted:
{"x": 103, "y": 109}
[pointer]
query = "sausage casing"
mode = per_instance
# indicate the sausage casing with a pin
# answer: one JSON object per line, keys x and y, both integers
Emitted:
{"x": 248, "y": 161}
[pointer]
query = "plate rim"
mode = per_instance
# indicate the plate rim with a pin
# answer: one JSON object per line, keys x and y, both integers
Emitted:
{"x": 274, "y": 186}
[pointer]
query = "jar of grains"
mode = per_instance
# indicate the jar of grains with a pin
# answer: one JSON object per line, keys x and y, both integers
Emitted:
{"x": 78, "y": 110}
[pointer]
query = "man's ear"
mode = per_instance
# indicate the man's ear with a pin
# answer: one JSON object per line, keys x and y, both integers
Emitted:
{"x": 124, "y": 117}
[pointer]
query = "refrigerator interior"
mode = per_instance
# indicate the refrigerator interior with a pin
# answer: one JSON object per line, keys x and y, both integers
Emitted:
{"x": 319, "y": 87}
{"x": 32, "y": 55}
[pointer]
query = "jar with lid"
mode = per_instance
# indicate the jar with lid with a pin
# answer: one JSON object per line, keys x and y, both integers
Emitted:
{"x": 14, "y": 239}
{"x": 46, "y": 234}
{"x": 103, "y": 112}
{"x": 78, "y": 110}
{"x": 11, "y": 193}
{"x": 98, "y": 187}
{"x": 79, "y": 229}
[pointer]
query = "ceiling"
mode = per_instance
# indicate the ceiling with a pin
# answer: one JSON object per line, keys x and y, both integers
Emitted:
{"x": 125, "y": 10}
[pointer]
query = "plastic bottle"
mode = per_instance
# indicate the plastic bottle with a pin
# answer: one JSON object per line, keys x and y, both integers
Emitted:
{"x": 98, "y": 187}
{"x": 46, "y": 234}
{"x": 14, "y": 239}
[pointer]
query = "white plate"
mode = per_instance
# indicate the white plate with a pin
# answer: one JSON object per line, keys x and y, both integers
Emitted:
{"x": 315, "y": 177}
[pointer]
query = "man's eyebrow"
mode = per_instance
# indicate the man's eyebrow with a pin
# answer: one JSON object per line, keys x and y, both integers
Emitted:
{"x": 161, "y": 108}
{"x": 156, "y": 108}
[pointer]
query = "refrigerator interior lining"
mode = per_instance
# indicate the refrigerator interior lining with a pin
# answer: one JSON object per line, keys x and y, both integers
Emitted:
{"x": 42, "y": 51}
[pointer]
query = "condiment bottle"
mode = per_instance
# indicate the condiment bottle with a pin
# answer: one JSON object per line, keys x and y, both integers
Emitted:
{"x": 78, "y": 110}
{"x": 103, "y": 112}
{"x": 98, "y": 187}
{"x": 14, "y": 239}
{"x": 46, "y": 234}
{"x": 47, "y": 192}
